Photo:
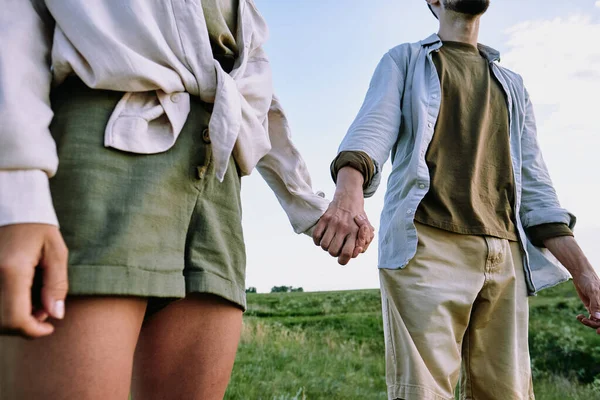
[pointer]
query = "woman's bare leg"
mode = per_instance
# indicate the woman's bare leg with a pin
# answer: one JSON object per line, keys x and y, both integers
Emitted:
{"x": 187, "y": 350}
{"x": 88, "y": 357}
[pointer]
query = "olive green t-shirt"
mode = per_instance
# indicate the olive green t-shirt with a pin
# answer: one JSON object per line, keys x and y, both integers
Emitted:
{"x": 469, "y": 159}
{"x": 221, "y": 20}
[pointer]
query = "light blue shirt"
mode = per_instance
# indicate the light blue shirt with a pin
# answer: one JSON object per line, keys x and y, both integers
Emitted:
{"x": 398, "y": 117}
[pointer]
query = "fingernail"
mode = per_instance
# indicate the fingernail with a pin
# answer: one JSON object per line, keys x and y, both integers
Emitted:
{"x": 597, "y": 315}
{"x": 59, "y": 309}
{"x": 362, "y": 217}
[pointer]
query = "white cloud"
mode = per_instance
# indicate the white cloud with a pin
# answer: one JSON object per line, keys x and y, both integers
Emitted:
{"x": 562, "y": 73}
{"x": 560, "y": 68}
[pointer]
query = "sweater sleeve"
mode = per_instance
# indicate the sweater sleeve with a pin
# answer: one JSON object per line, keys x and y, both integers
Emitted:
{"x": 538, "y": 234}
{"x": 358, "y": 160}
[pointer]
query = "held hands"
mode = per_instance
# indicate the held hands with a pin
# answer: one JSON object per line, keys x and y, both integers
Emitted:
{"x": 23, "y": 248}
{"x": 344, "y": 230}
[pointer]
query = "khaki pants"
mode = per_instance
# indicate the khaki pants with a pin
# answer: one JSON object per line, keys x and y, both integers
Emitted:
{"x": 462, "y": 298}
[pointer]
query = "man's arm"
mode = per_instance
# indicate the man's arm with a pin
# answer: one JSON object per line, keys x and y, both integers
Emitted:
{"x": 540, "y": 206}
{"x": 375, "y": 129}
{"x": 586, "y": 280}
{"x": 373, "y": 134}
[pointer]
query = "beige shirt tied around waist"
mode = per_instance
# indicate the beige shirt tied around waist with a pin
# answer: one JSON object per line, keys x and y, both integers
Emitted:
{"x": 159, "y": 53}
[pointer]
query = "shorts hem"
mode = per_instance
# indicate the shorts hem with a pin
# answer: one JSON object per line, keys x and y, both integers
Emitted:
{"x": 413, "y": 392}
{"x": 207, "y": 282}
{"x": 124, "y": 281}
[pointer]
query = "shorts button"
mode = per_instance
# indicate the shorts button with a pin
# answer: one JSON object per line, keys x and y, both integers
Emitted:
{"x": 201, "y": 172}
{"x": 206, "y": 136}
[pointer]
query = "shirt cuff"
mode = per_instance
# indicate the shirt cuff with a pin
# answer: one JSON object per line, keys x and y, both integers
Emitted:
{"x": 540, "y": 233}
{"x": 25, "y": 198}
{"x": 358, "y": 160}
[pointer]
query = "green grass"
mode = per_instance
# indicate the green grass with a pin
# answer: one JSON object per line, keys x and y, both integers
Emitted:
{"x": 329, "y": 345}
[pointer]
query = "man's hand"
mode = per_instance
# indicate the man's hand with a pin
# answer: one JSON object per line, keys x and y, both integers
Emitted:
{"x": 23, "y": 248}
{"x": 344, "y": 230}
{"x": 588, "y": 288}
{"x": 585, "y": 278}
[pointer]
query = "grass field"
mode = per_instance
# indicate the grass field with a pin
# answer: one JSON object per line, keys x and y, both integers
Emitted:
{"x": 330, "y": 346}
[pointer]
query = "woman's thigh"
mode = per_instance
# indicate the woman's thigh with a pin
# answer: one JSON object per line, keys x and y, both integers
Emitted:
{"x": 88, "y": 357}
{"x": 187, "y": 350}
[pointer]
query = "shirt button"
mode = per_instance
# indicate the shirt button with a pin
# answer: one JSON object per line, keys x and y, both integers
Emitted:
{"x": 421, "y": 186}
{"x": 176, "y": 98}
{"x": 435, "y": 96}
{"x": 409, "y": 211}
{"x": 201, "y": 172}
{"x": 430, "y": 125}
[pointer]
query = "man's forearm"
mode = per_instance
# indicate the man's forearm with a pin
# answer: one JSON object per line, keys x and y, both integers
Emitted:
{"x": 358, "y": 160}
{"x": 567, "y": 251}
{"x": 349, "y": 183}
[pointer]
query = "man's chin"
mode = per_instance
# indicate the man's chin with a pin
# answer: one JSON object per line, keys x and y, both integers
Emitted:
{"x": 470, "y": 8}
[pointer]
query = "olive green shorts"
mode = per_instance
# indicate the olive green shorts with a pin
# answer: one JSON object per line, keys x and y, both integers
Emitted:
{"x": 156, "y": 226}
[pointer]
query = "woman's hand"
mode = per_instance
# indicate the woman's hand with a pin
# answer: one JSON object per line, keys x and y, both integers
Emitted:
{"x": 23, "y": 248}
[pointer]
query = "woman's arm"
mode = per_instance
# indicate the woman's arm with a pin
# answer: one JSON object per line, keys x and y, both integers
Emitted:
{"x": 29, "y": 237}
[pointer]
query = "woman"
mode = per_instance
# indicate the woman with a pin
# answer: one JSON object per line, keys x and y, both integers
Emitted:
{"x": 154, "y": 110}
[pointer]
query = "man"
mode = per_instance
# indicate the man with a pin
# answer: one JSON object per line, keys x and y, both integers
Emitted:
{"x": 470, "y": 215}
{"x": 155, "y": 110}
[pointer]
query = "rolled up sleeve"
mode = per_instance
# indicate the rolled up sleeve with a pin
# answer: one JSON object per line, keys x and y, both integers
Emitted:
{"x": 356, "y": 159}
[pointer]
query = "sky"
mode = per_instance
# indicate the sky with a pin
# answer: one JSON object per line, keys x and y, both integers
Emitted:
{"x": 323, "y": 54}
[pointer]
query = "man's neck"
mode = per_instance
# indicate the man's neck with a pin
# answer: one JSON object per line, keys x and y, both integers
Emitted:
{"x": 456, "y": 28}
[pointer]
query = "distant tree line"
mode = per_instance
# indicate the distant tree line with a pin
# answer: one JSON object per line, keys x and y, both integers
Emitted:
{"x": 278, "y": 289}
{"x": 286, "y": 289}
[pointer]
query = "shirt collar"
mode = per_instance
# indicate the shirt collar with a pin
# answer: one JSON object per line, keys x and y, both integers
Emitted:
{"x": 435, "y": 42}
